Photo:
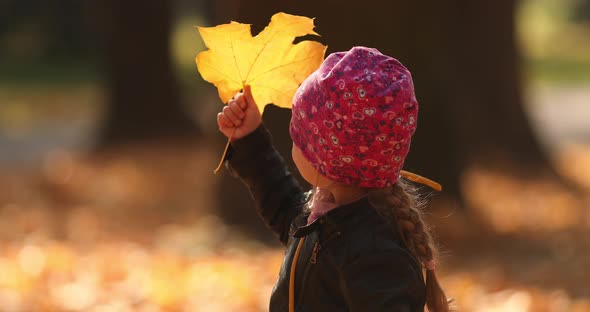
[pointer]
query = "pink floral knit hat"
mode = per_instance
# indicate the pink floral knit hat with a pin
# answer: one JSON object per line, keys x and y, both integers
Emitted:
{"x": 354, "y": 117}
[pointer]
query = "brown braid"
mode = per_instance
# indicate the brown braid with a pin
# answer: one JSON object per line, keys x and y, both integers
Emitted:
{"x": 400, "y": 203}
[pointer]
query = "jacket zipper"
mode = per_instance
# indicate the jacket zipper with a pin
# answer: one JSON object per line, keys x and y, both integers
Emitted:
{"x": 313, "y": 260}
{"x": 314, "y": 253}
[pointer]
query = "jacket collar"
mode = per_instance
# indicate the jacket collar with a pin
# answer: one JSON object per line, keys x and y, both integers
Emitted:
{"x": 335, "y": 220}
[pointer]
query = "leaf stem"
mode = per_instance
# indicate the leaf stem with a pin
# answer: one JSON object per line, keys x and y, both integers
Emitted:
{"x": 225, "y": 151}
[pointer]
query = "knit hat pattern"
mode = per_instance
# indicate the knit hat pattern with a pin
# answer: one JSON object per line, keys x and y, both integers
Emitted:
{"x": 353, "y": 118}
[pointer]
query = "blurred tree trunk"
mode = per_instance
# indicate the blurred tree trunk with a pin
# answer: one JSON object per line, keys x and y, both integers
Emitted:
{"x": 56, "y": 30}
{"x": 143, "y": 95}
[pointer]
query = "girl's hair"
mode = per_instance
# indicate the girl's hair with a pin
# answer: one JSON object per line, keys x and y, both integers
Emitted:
{"x": 400, "y": 204}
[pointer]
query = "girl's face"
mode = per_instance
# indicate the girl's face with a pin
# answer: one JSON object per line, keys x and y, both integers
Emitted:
{"x": 306, "y": 170}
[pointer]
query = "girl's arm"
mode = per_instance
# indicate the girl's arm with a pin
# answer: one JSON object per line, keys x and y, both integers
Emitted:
{"x": 255, "y": 161}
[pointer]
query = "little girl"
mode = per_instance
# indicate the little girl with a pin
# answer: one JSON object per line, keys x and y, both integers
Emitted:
{"x": 357, "y": 242}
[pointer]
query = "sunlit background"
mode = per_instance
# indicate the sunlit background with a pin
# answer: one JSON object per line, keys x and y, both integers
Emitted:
{"x": 106, "y": 209}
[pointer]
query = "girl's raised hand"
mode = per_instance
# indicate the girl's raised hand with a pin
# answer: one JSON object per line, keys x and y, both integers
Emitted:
{"x": 240, "y": 114}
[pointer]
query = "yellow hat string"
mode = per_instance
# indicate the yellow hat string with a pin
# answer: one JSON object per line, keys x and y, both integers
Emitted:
{"x": 420, "y": 179}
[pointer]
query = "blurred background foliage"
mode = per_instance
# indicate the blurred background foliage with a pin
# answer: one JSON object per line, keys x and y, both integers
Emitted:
{"x": 108, "y": 142}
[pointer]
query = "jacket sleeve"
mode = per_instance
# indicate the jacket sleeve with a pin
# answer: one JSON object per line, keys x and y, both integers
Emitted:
{"x": 383, "y": 281}
{"x": 278, "y": 196}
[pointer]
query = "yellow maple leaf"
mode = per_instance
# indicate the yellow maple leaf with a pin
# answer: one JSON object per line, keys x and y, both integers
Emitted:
{"x": 270, "y": 63}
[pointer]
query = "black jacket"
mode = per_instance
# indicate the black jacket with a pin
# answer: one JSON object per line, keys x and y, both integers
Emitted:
{"x": 351, "y": 259}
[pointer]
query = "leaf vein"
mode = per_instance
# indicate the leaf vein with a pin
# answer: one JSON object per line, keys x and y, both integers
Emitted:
{"x": 280, "y": 66}
{"x": 266, "y": 44}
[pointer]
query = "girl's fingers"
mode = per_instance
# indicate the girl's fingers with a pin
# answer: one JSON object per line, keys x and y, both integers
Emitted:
{"x": 222, "y": 121}
{"x": 231, "y": 116}
{"x": 236, "y": 109}
{"x": 241, "y": 101}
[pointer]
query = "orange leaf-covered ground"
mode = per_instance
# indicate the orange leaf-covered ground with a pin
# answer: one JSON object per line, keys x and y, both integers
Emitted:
{"x": 135, "y": 230}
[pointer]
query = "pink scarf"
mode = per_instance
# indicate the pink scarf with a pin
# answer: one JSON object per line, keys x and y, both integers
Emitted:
{"x": 322, "y": 201}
